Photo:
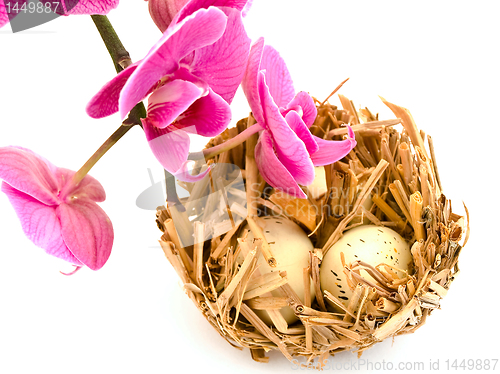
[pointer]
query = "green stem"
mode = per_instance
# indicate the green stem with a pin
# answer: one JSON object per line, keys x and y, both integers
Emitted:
{"x": 121, "y": 60}
{"x": 106, "y": 146}
{"x": 117, "y": 51}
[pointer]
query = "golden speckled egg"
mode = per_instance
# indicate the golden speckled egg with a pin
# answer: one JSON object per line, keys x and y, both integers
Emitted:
{"x": 369, "y": 243}
{"x": 290, "y": 247}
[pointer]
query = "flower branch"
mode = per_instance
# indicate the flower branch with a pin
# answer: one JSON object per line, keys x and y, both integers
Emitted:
{"x": 117, "y": 51}
{"x": 106, "y": 146}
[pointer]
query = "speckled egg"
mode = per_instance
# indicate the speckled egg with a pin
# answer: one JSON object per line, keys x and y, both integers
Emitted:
{"x": 369, "y": 243}
{"x": 290, "y": 247}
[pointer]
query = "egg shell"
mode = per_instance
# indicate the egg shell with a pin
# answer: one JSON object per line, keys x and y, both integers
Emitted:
{"x": 369, "y": 243}
{"x": 290, "y": 247}
{"x": 318, "y": 187}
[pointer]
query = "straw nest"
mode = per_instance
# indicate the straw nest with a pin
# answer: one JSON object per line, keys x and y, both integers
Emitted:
{"x": 395, "y": 169}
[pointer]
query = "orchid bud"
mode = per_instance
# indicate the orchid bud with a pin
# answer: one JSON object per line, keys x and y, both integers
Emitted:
{"x": 163, "y": 11}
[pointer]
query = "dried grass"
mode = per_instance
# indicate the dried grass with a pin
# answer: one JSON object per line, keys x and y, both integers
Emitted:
{"x": 396, "y": 170}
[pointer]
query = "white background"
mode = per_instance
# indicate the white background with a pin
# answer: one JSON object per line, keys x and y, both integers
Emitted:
{"x": 437, "y": 58}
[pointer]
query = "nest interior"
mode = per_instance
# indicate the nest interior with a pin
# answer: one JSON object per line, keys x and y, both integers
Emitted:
{"x": 394, "y": 168}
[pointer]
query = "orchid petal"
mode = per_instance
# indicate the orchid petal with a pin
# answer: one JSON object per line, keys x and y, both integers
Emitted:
{"x": 306, "y": 103}
{"x": 208, "y": 116}
{"x": 249, "y": 82}
{"x": 86, "y": 7}
{"x": 278, "y": 78}
{"x": 272, "y": 170}
{"x": 171, "y": 100}
{"x": 331, "y": 151}
{"x": 27, "y": 172}
{"x": 163, "y": 12}
{"x": 202, "y": 28}
{"x": 77, "y": 268}
{"x": 222, "y": 64}
{"x": 184, "y": 173}
{"x": 88, "y": 188}
{"x": 39, "y": 223}
{"x": 193, "y": 5}
{"x": 246, "y": 8}
{"x": 4, "y": 18}
{"x": 299, "y": 127}
{"x": 105, "y": 102}
{"x": 15, "y": 7}
{"x": 290, "y": 150}
{"x": 87, "y": 231}
{"x": 350, "y": 133}
{"x": 170, "y": 145}
{"x": 184, "y": 74}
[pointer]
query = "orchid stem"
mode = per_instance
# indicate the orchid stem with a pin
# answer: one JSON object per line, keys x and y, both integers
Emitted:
{"x": 117, "y": 51}
{"x": 83, "y": 171}
{"x": 233, "y": 142}
{"x": 121, "y": 60}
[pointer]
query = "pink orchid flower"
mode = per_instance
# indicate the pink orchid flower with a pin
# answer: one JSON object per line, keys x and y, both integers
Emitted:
{"x": 55, "y": 214}
{"x": 4, "y": 17}
{"x": 60, "y": 7}
{"x": 286, "y": 152}
{"x": 192, "y": 74}
{"x": 163, "y": 12}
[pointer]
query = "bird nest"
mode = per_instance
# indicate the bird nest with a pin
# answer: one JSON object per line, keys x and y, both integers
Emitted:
{"x": 392, "y": 165}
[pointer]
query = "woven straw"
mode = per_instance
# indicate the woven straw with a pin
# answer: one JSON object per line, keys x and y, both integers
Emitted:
{"x": 397, "y": 170}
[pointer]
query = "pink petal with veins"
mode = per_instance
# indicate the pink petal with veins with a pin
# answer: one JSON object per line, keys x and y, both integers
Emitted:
{"x": 306, "y": 104}
{"x": 208, "y": 116}
{"x": 290, "y": 150}
{"x": 170, "y": 145}
{"x": 272, "y": 170}
{"x": 196, "y": 31}
{"x": 249, "y": 82}
{"x": 193, "y": 5}
{"x": 163, "y": 11}
{"x": 299, "y": 127}
{"x": 4, "y": 18}
{"x": 223, "y": 63}
{"x": 87, "y": 231}
{"x": 105, "y": 102}
{"x": 88, "y": 188}
{"x": 332, "y": 150}
{"x": 55, "y": 214}
{"x": 27, "y": 172}
{"x": 39, "y": 223}
{"x": 169, "y": 101}
{"x": 278, "y": 78}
